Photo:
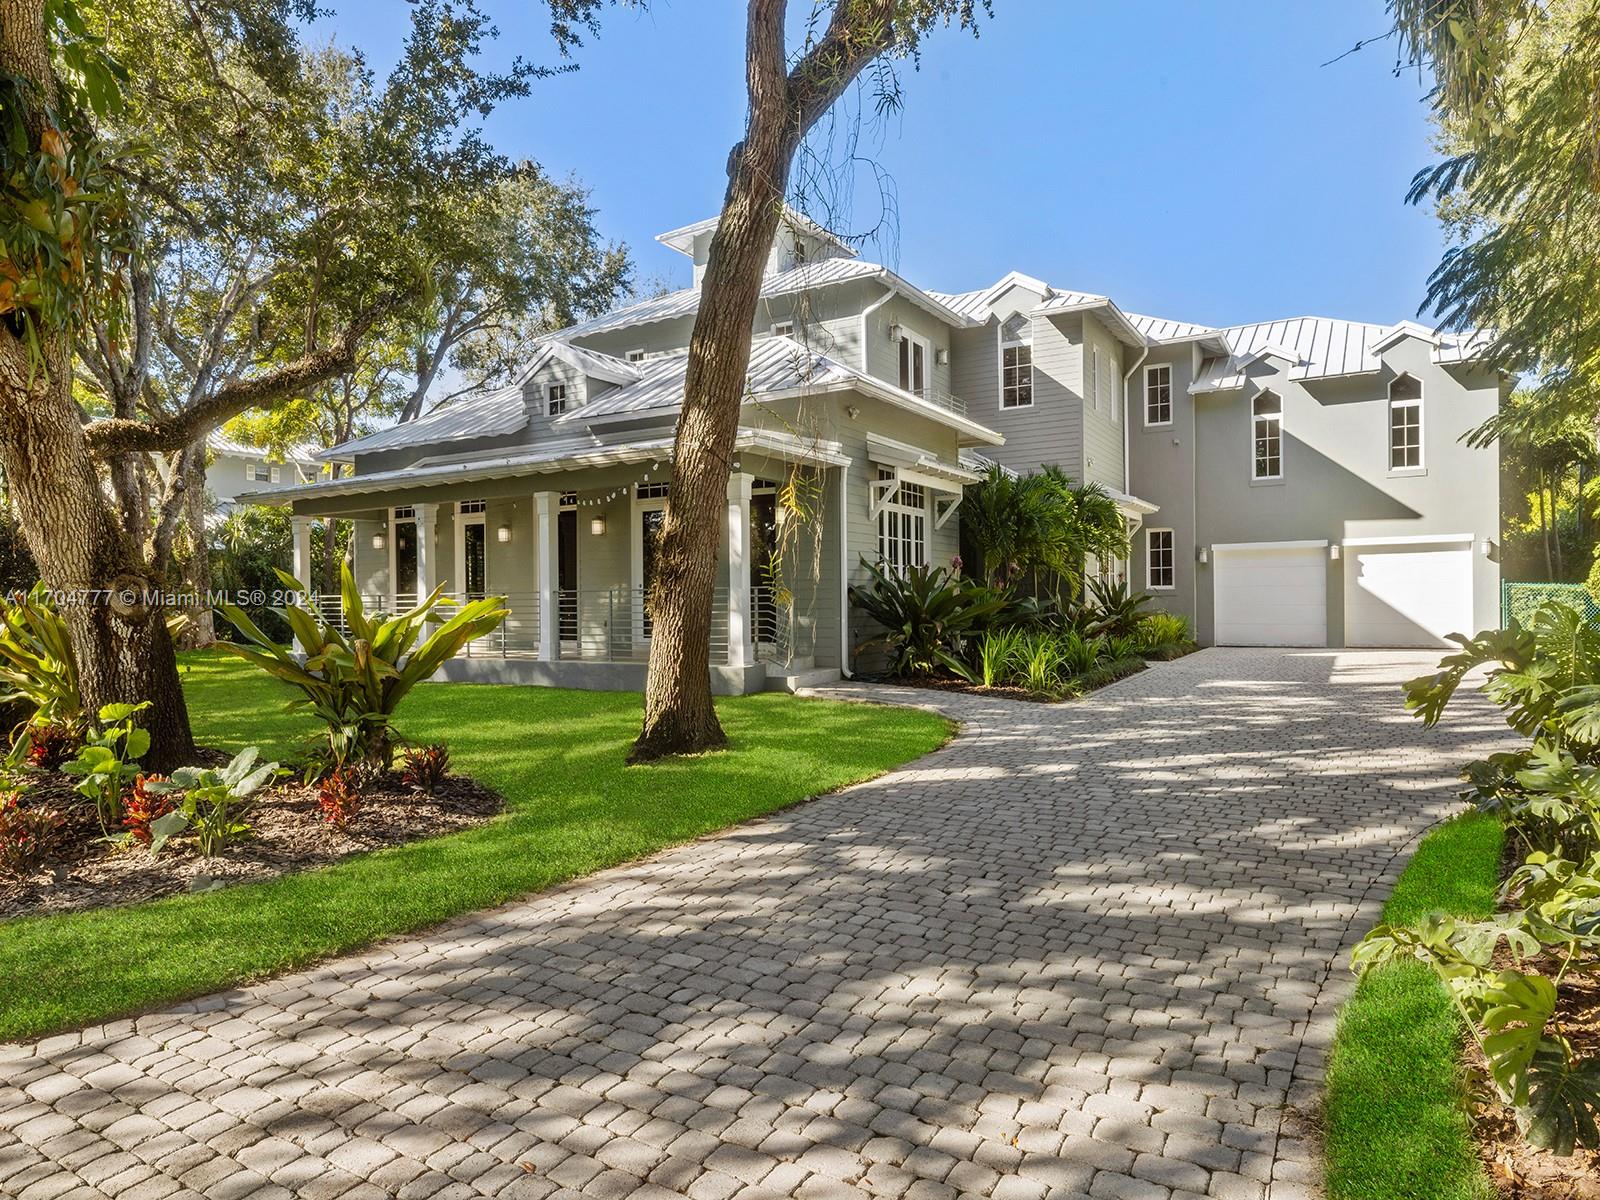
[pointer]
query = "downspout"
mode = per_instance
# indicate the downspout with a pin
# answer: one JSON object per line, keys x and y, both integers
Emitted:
{"x": 1127, "y": 436}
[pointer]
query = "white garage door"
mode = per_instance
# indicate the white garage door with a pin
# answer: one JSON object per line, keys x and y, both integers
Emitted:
{"x": 1407, "y": 595}
{"x": 1271, "y": 595}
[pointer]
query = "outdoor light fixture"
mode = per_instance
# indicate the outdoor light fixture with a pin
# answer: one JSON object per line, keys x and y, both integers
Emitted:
{"x": 503, "y": 533}
{"x": 597, "y": 526}
{"x": 377, "y": 541}
{"x": 1202, "y": 554}
{"x": 941, "y": 356}
{"x": 1333, "y": 552}
{"x": 1487, "y": 549}
{"x": 894, "y": 332}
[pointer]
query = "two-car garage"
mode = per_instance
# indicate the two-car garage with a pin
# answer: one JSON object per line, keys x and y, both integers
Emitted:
{"x": 1401, "y": 591}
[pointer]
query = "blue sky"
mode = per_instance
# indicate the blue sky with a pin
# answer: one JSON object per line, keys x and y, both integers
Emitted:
{"x": 1191, "y": 159}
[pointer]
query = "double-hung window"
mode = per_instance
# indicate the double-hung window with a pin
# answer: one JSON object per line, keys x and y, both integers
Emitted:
{"x": 903, "y": 527}
{"x": 1405, "y": 424}
{"x": 1266, "y": 420}
{"x": 1016, "y": 363}
{"x": 783, "y": 329}
{"x": 915, "y": 356}
{"x": 1158, "y": 395}
{"x": 556, "y": 396}
{"x": 1159, "y": 572}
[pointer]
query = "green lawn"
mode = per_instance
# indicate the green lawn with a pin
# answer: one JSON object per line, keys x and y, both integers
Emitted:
{"x": 1395, "y": 1122}
{"x": 574, "y": 808}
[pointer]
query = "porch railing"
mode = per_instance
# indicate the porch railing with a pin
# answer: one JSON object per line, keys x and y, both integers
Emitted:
{"x": 612, "y": 625}
{"x": 517, "y": 635}
{"x": 769, "y": 625}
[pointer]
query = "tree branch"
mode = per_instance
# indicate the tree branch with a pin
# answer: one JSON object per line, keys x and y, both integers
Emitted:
{"x": 119, "y": 436}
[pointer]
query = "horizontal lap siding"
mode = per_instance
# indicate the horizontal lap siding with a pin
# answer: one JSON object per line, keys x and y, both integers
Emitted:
{"x": 1102, "y": 425}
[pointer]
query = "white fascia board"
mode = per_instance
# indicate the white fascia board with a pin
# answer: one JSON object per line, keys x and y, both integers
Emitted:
{"x": 1119, "y": 323}
{"x": 1307, "y": 544}
{"x": 1403, "y": 330}
{"x": 1413, "y": 539}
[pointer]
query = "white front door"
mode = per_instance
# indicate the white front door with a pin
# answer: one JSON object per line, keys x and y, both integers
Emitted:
{"x": 1407, "y": 594}
{"x": 1271, "y": 594}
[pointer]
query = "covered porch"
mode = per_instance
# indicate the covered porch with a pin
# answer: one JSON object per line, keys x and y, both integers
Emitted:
{"x": 573, "y": 555}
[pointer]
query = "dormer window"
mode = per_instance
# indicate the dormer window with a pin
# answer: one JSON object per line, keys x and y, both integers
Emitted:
{"x": 1405, "y": 424}
{"x": 635, "y": 356}
{"x": 783, "y": 329}
{"x": 556, "y": 399}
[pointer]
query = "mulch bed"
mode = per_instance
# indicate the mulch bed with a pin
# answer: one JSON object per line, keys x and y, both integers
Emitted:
{"x": 289, "y": 834}
{"x": 1519, "y": 1171}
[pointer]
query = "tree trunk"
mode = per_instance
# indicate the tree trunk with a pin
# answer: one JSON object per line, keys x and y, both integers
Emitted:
{"x": 679, "y": 717}
{"x": 202, "y": 629}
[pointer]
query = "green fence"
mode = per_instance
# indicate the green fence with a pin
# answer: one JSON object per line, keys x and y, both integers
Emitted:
{"x": 1520, "y": 599}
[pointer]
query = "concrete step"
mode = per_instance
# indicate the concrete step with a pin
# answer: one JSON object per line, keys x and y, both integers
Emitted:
{"x": 780, "y": 679}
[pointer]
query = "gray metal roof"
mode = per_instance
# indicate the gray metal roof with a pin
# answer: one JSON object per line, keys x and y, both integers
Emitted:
{"x": 481, "y": 414}
{"x": 1323, "y": 348}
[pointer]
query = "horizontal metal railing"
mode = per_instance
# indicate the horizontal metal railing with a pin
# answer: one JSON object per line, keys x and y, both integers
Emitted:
{"x": 770, "y": 625}
{"x": 613, "y": 625}
{"x": 517, "y": 635}
{"x": 940, "y": 398}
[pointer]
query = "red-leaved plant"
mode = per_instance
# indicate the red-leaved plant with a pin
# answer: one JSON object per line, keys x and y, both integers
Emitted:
{"x": 140, "y": 807}
{"x": 339, "y": 796}
{"x": 50, "y": 745}
{"x": 424, "y": 767}
{"x": 26, "y": 832}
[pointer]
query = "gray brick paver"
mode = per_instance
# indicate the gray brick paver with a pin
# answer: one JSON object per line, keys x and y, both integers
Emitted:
{"x": 1086, "y": 950}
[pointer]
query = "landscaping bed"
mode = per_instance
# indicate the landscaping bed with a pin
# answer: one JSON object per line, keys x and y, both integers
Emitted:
{"x": 287, "y": 833}
{"x": 1074, "y": 687}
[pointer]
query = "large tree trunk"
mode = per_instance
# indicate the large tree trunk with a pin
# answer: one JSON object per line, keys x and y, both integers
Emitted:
{"x": 83, "y": 551}
{"x": 202, "y": 629}
{"x": 679, "y": 716}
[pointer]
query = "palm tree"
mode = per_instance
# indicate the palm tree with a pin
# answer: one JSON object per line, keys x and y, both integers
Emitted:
{"x": 1043, "y": 523}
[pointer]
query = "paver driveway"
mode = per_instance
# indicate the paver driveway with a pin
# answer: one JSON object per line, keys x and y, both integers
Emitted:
{"x": 1079, "y": 951}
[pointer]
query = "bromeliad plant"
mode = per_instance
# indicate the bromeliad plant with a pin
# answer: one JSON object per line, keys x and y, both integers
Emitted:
{"x": 927, "y": 615}
{"x": 1546, "y": 680}
{"x": 353, "y": 681}
{"x": 36, "y": 660}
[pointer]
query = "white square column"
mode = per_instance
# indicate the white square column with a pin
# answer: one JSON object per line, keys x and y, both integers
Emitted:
{"x": 546, "y": 506}
{"x": 427, "y": 549}
{"x": 300, "y": 568}
{"x": 741, "y": 647}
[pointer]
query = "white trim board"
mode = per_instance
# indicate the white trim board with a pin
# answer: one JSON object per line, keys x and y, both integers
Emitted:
{"x": 1416, "y": 539}
{"x": 1308, "y": 544}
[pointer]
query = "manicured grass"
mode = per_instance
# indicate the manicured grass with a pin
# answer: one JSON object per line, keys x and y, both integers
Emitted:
{"x": 574, "y": 808}
{"x": 1395, "y": 1122}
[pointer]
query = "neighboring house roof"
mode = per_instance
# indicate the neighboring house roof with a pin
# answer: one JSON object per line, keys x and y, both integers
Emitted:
{"x": 827, "y": 272}
{"x": 779, "y": 366}
{"x": 548, "y": 458}
{"x": 682, "y": 239}
{"x": 481, "y": 414}
{"x": 303, "y": 453}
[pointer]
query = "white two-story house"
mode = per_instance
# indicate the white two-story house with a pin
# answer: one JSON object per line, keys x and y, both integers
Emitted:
{"x": 1299, "y": 483}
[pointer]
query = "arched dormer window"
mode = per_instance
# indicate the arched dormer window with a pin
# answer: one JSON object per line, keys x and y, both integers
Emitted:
{"x": 1405, "y": 424}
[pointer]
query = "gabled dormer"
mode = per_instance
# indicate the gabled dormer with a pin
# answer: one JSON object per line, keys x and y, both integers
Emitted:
{"x": 561, "y": 378}
{"x": 799, "y": 240}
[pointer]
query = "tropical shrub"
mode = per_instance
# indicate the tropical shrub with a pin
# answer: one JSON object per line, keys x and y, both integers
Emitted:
{"x": 108, "y": 761}
{"x": 423, "y": 768}
{"x": 354, "y": 681}
{"x": 1545, "y": 678}
{"x": 1079, "y": 653}
{"x": 209, "y": 802}
{"x": 1159, "y": 629}
{"x": 996, "y": 656}
{"x": 1114, "y": 610}
{"x": 339, "y": 797}
{"x": 927, "y": 615}
{"x": 1043, "y": 525}
{"x": 27, "y": 832}
{"x": 48, "y": 746}
{"x": 1040, "y": 662}
{"x": 36, "y": 660}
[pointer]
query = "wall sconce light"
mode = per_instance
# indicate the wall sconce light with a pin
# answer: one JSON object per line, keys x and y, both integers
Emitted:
{"x": 503, "y": 533}
{"x": 1487, "y": 548}
{"x": 1202, "y": 554}
{"x": 377, "y": 541}
{"x": 941, "y": 357}
{"x": 894, "y": 331}
{"x": 597, "y": 526}
{"x": 851, "y": 411}
{"x": 1333, "y": 552}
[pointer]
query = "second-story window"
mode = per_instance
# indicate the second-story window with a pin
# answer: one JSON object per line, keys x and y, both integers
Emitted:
{"x": 1405, "y": 424}
{"x": 914, "y": 356}
{"x": 1158, "y": 395}
{"x": 1091, "y": 381}
{"x": 556, "y": 397}
{"x": 1016, "y": 363}
{"x": 783, "y": 329}
{"x": 635, "y": 355}
{"x": 1266, "y": 420}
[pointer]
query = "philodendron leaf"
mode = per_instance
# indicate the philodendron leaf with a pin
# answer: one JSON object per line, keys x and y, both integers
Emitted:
{"x": 1563, "y": 1097}
{"x": 166, "y": 826}
{"x": 1516, "y": 1008}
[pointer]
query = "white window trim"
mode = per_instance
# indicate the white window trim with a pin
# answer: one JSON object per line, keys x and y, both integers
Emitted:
{"x": 1254, "y": 417}
{"x": 395, "y": 521}
{"x": 636, "y": 507}
{"x": 915, "y": 339}
{"x": 1144, "y": 396}
{"x": 550, "y": 399}
{"x": 464, "y": 519}
{"x": 1422, "y": 428}
{"x": 1149, "y": 566}
{"x": 634, "y": 356}
{"x": 1000, "y": 363}
{"x": 1091, "y": 376}
{"x": 889, "y": 500}
{"x": 777, "y": 329}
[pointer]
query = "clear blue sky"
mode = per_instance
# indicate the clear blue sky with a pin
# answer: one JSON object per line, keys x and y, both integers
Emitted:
{"x": 1190, "y": 158}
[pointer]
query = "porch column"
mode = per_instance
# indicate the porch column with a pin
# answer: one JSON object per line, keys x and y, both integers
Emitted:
{"x": 301, "y": 568}
{"x": 741, "y": 650}
{"x": 427, "y": 549}
{"x": 546, "y": 506}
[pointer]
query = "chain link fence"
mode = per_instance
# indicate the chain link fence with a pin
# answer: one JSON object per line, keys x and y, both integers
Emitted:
{"x": 1519, "y": 600}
